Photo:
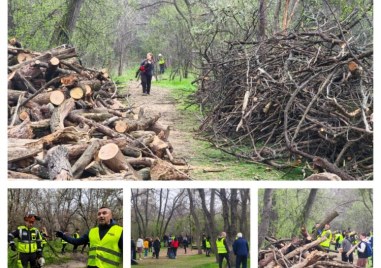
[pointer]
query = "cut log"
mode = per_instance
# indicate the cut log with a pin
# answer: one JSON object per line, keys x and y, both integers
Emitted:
{"x": 58, "y": 164}
{"x": 24, "y": 116}
{"x": 120, "y": 126}
{"x": 60, "y": 113}
{"x": 54, "y": 61}
{"x": 21, "y": 57}
{"x": 57, "y": 97}
{"x": 325, "y": 164}
{"x": 113, "y": 158}
{"x": 77, "y": 93}
{"x": 85, "y": 159}
{"x": 69, "y": 80}
{"x": 158, "y": 146}
{"x": 145, "y": 174}
{"x": 97, "y": 168}
{"x": 131, "y": 151}
{"x": 139, "y": 162}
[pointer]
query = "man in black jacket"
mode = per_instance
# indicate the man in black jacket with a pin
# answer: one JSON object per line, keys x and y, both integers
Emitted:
{"x": 106, "y": 241}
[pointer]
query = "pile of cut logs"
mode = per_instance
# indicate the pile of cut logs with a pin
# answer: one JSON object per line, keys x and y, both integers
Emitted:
{"x": 65, "y": 122}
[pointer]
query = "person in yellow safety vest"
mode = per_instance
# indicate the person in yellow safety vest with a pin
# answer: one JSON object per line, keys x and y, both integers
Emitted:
{"x": 29, "y": 242}
{"x": 75, "y": 235}
{"x": 222, "y": 250}
{"x": 338, "y": 239}
{"x": 106, "y": 241}
{"x": 64, "y": 243}
{"x": 208, "y": 246}
{"x": 328, "y": 234}
{"x": 161, "y": 64}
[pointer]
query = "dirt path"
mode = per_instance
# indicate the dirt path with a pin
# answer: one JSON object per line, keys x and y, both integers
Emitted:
{"x": 78, "y": 261}
{"x": 159, "y": 101}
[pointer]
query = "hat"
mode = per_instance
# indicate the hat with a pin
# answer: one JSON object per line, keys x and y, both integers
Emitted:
{"x": 239, "y": 235}
{"x": 160, "y": 55}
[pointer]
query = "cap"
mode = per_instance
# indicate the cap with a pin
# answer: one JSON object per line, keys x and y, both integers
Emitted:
{"x": 239, "y": 235}
{"x": 160, "y": 55}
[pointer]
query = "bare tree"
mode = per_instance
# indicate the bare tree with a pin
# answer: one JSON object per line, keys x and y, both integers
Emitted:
{"x": 265, "y": 219}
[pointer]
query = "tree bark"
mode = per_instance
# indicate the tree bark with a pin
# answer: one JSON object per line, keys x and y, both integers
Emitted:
{"x": 266, "y": 212}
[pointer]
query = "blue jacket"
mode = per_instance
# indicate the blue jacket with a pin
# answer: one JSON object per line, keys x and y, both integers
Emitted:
{"x": 241, "y": 247}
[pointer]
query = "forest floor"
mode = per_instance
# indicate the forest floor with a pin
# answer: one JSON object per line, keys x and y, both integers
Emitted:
{"x": 205, "y": 162}
{"x": 78, "y": 260}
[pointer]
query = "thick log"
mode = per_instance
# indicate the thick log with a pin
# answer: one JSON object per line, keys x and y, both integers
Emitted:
{"x": 97, "y": 169}
{"x": 19, "y": 149}
{"x": 113, "y": 158}
{"x": 299, "y": 250}
{"x": 21, "y": 83}
{"x": 158, "y": 146}
{"x": 60, "y": 113}
{"x": 139, "y": 162}
{"x": 85, "y": 159}
{"x": 57, "y": 97}
{"x": 21, "y": 175}
{"x": 131, "y": 151}
{"x": 311, "y": 259}
{"x": 77, "y": 93}
{"x": 120, "y": 126}
{"x": 22, "y": 131}
{"x": 142, "y": 133}
{"x": 58, "y": 163}
{"x": 162, "y": 170}
{"x": 145, "y": 174}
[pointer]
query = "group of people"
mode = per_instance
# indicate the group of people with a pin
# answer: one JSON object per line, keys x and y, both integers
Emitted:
{"x": 105, "y": 242}
{"x": 146, "y": 71}
{"x": 346, "y": 242}
{"x": 240, "y": 250}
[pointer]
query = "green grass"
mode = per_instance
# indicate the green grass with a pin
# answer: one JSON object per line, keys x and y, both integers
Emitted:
{"x": 205, "y": 156}
{"x": 194, "y": 261}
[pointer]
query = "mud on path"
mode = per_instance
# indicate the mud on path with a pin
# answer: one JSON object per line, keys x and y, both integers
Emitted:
{"x": 160, "y": 101}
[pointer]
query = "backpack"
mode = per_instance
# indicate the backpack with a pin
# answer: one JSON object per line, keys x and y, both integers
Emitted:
{"x": 368, "y": 250}
{"x": 142, "y": 68}
{"x": 171, "y": 254}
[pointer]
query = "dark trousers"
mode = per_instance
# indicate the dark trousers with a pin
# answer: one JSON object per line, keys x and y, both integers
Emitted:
{"x": 162, "y": 68}
{"x": 344, "y": 257}
{"x": 221, "y": 257}
{"x": 174, "y": 251}
{"x": 207, "y": 252}
{"x": 63, "y": 248}
{"x": 156, "y": 252}
{"x": 241, "y": 260}
{"x": 26, "y": 258}
{"x": 146, "y": 83}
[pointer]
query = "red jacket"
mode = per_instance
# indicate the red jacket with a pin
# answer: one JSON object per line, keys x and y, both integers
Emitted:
{"x": 175, "y": 243}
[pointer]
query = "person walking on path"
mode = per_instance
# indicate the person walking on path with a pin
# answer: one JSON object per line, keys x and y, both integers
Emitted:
{"x": 29, "y": 242}
{"x": 146, "y": 71}
{"x": 139, "y": 247}
{"x": 156, "y": 247}
{"x": 161, "y": 63}
{"x": 185, "y": 244}
{"x": 75, "y": 235}
{"x": 241, "y": 250}
{"x": 174, "y": 246}
{"x": 222, "y": 250}
{"x": 145, "y": 247}
{"x": 106, "y": 241}
{"x": 208, "y": 247}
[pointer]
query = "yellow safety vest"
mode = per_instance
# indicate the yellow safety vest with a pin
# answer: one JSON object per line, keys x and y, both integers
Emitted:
{"x": 28, "y": 239}
{"x": 340, "y": 237}
{"x": 220, "y": 246}
{"x": 326, "y": 243}
{"x": 105, "y": 253}
{"x": 63, "y": 241}
{"x": 207, "y": 243}
{"x": 161, "y": 61}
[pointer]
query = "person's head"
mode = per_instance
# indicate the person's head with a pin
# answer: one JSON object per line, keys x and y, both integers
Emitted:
{"x": 223, "y": 234}
{"x": 149, "y": 56}
{"x": 29, "y": 220}
{"x": 239, "y": 235}
{"x": 327, "y": 226}
{"x": 104, "y": 216}
{"x": 12, "y": 41}
{"x": 362, "y": 236}
{"x": 160, "y": 55}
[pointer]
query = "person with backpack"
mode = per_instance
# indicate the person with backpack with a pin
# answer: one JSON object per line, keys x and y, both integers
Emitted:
{"x": 174, "y": 246}
{"x": 146, "y": 72}
{"x": 364, "y": 251}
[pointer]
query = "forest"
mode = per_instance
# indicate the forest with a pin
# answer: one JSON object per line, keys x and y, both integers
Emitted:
{"x": 288, "y": 218}
{"x": 285, "y": 83}
{"x": 61, "y": 209}
{"x": 195, "y": 213}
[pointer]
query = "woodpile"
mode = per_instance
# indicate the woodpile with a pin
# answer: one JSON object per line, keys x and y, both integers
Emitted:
{"x": 301, "y": 252}
{"x": 303, "y": 95}
{"x": 65, "y": 122}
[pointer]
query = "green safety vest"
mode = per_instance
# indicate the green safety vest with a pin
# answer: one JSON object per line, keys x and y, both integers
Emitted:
{"x": 105, "y": 253}
{"x": 326, "y": 243}
{"x": 28, "y": 239}
{"x": 340, "y": 237}
{"x": 207, "y": 243}
{"x": 220, "y": 246}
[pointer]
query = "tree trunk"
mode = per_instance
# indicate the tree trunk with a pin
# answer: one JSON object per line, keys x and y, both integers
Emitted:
{"x": 267, "y": 209}
{"x": 195, "y": 218}
{"x": 58, "y": 163}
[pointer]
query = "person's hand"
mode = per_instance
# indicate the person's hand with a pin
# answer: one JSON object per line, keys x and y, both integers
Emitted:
{"x": 13, "y": 247}
{"x": 59, "y": 234}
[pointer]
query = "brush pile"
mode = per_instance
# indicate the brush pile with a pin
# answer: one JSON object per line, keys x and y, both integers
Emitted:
{"x": 302, "y": 97}
{"x": 65, "y": 122}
